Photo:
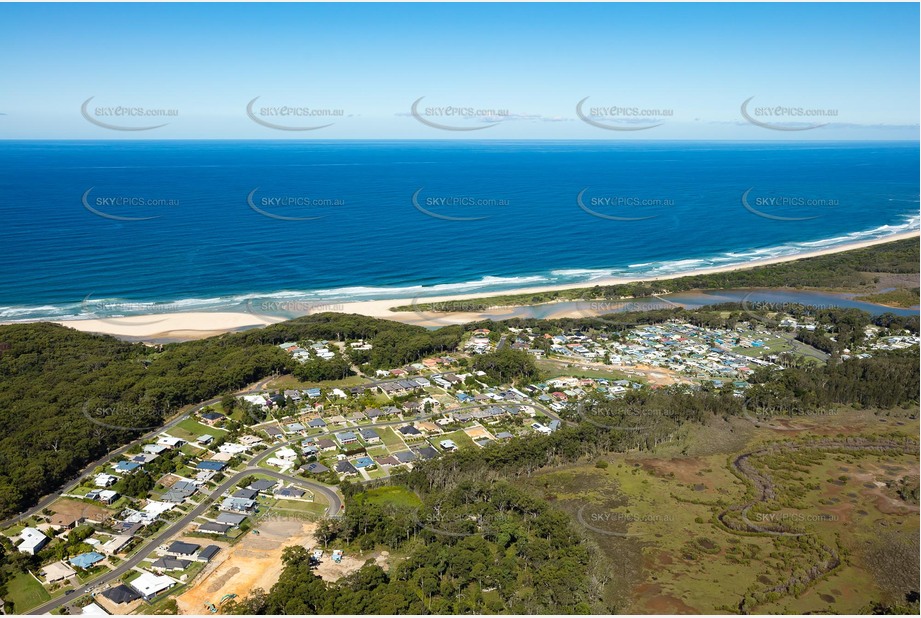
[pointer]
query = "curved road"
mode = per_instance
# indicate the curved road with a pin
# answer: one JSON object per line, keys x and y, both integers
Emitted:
{"x": 335, "y": 506}
{"x": 332, "y": 496}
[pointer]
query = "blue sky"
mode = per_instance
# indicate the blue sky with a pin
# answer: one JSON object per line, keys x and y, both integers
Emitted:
{"x": 684, "y": 68}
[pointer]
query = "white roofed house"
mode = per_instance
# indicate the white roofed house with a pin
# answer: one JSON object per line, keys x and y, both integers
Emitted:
{"x": 116, "y": 544}
{"x": 232, "y": 448}
{"x": 149, "y": 585}
{"x": 170, "y": 441}
{"x": 256, "y": 400}
{"x": 286, "y": 453}
{"x": 104, "y": 480}
{"x": 32, "y": 540}
{"x": 284, "y": 458}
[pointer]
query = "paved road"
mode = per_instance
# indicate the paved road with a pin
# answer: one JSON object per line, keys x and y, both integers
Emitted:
{"x": 70, "y": 485}
{"x": 331, "y": 495}
{"x": 335, "y": 506}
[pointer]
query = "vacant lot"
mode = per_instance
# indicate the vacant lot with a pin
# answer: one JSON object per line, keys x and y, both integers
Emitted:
{"x": 70, "y": 509}
{"x": 392, "y": 495}
{"x": 25, "y": 592}
{"x": 254, "y": 562}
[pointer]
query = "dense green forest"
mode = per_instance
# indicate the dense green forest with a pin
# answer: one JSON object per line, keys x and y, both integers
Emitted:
{"x": 856, "y": 270}
{"x": 476, "y": 548}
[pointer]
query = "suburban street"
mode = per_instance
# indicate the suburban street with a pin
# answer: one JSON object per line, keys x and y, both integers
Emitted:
{"x": 333, "y": 498}
{"x": 333, "y": 510}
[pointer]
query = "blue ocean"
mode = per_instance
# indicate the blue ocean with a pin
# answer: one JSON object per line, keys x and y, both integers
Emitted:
{"x": 132, "y": 227}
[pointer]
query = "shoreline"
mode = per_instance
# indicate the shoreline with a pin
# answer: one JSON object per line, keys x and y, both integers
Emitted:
{"x": 181, "y": 326}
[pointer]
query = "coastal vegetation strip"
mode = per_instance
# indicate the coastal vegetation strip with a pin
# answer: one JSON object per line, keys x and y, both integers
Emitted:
{"x": 857, "y": 270}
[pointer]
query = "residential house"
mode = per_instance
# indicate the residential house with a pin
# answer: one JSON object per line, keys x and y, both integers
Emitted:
{"x": 150, "y": 585}
{"x": 179, "y": 549}
{"x": 346, "y": 437}
{"x": 92, "y": 609}
{"x": 86, "y": 560}
{"x": 121, "y": 594}
{"x": 116, "y": 544}
{"x": 32, "y": 541}
{"x": 316, "y": 468}
{"x": 345, "y": 468}
{"x": 215, "y": 466}
{"x": 106, "y": 496}
{"x": 326, "y": 445}
{"x": 214, "y": 528}
{"x": 239, "y": 505}
{"x": 370, "y": 436}
{"x": 410, "y": 433}
{"x": 387, "y": 461}
{"x": 170, "y": 564}
{"x": 234, "y": 519}
{"x": 262, "y": 485}
{"x": 249, "y": 441}
{"x": 232, "y": 448}
{"x": 105, "y": 480}
{"x": 212, "y": 418}
{"x": 289, "y": 492}
{"x": 286, "y": 454}
{"x": 405, "y": 456}
{"x": 170, "y": 441}
{"x": 427, "y": 452}
{"x": 428, "y": 427}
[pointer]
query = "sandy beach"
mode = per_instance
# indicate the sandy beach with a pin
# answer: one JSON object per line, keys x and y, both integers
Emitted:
{"x": 197, "y": 325}
{"x": 172, "y": 326}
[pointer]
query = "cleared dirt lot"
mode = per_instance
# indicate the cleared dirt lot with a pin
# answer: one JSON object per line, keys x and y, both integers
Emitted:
{"x": 330, "y": 571}
{"x": 254, "y": 562}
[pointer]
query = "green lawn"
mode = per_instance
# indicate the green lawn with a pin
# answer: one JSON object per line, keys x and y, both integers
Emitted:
{"x": 377, "y": 473}
{"x": 555, "y": 370}
{"x": 397, "y": 496}
{"x": 16, "y": 529}
{"x": 391, "y": 440}
{"x": 86, "y": 575}
{"x": 26, "y": 592}
{"x": 461, "y": 439}
{"x": 190, "y": 429}
{"x": 296, "y": 506}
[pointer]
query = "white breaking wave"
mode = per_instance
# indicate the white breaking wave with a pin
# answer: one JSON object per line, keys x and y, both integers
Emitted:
{"x": 91, "y": 308}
